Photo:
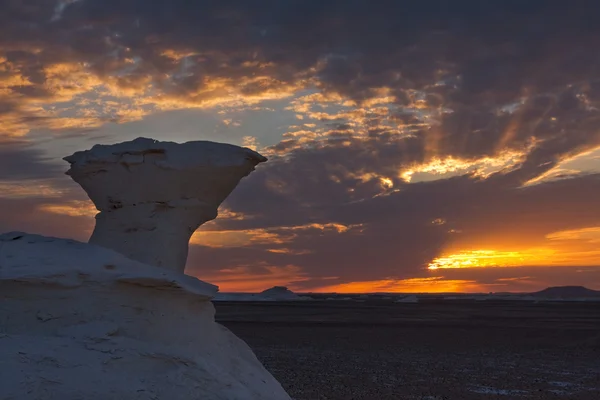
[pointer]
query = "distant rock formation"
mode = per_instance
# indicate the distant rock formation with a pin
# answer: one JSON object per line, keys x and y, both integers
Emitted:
{"x": 566, "y": 292}
{"x": 279, "y": 293}
{"x": 152, "y": 196}
{"x": 276, "y": 293}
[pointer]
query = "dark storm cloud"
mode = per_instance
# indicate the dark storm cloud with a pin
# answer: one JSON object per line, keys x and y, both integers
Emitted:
{"x": 20, "y": 161}
{"x": 312, "y": 181}
{"x": 495, "y": 51}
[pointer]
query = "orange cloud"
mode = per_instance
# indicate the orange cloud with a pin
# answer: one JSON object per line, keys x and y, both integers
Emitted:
{"x": 491, "y": 258}
{"x": 30, "y": 188}
{"x": 237, "y": 238}
{"x": 250, "y": 142}
{"x": 73, "y": 208}
{"x": 223, "y": 92}
{"x": 544, "y": 256}
{"x": 270, "y": 236}
{"x": 588, "y": 235}
{"x": 480, "y": 167}
{"x": 75, "y": 95}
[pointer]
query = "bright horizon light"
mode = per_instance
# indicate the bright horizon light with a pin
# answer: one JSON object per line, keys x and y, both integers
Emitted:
{"x": 491, "y": 258}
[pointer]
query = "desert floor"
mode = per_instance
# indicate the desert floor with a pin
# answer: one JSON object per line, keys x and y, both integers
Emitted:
{"x": 431, "y": 350}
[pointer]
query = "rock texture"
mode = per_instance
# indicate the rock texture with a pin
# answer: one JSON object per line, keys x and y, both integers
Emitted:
{"x": 78, "y": 321}
{"x": 153, "y": 195}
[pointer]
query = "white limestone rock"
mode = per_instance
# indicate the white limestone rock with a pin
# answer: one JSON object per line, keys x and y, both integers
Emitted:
{"x": 153, "y": 195}
{"x": 78, "y": 321}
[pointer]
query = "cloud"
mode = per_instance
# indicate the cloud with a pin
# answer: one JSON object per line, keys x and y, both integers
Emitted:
{"x": 590, "y": 234}
{"x": 442, "y": 77}
{"x": 37, "y": 215}
{"x": 177, "y": 54}
{"x": 210, "y": 235}
{"x": 19, "y": 161}
{"x": 402, "y": 232}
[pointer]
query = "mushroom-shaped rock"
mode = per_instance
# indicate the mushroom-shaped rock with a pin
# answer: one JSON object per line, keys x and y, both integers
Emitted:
{"x": 153, "y": 195}
{"x": 80, "y": 321}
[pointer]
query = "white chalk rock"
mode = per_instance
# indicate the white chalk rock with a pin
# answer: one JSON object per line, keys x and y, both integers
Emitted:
{"x": 153, "y": 195}
{"x": 78, "y": 321}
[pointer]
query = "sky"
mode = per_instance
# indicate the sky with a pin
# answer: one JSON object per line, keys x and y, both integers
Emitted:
{"x": 431, "y": 146}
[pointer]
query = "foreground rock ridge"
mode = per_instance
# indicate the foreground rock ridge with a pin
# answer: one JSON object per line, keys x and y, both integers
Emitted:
{"x": 117, "y": 318}
{"x": 152, "y": 195}
{"x": 83, "y": 322}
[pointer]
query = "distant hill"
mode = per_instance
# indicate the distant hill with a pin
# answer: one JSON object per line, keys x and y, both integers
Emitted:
{"x": 276, "y": 293}
{"x": 279, "y": 293}
{"x": 567, "y": 292}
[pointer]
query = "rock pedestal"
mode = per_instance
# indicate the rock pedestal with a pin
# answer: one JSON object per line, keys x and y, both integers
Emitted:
{"x": 153, "y": 195}
{"x": 116, "y": 318}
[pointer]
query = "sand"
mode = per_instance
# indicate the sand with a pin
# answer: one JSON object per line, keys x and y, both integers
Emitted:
{"x": 386, "y": 350}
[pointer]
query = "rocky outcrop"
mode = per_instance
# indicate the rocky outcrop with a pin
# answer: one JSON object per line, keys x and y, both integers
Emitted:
{"x": 80, "y": 321}
{"x": 116, "y": 318}
{"x": 153, "y": 195}
{"x": 280, "y": 293}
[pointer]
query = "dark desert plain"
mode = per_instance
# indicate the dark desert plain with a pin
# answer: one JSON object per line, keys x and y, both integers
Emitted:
{"x": 434, "y": 350}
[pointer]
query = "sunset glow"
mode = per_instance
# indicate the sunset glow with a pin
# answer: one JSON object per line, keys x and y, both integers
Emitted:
{"x": 491, "y": 258}
{"x": 435, "y": 284}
